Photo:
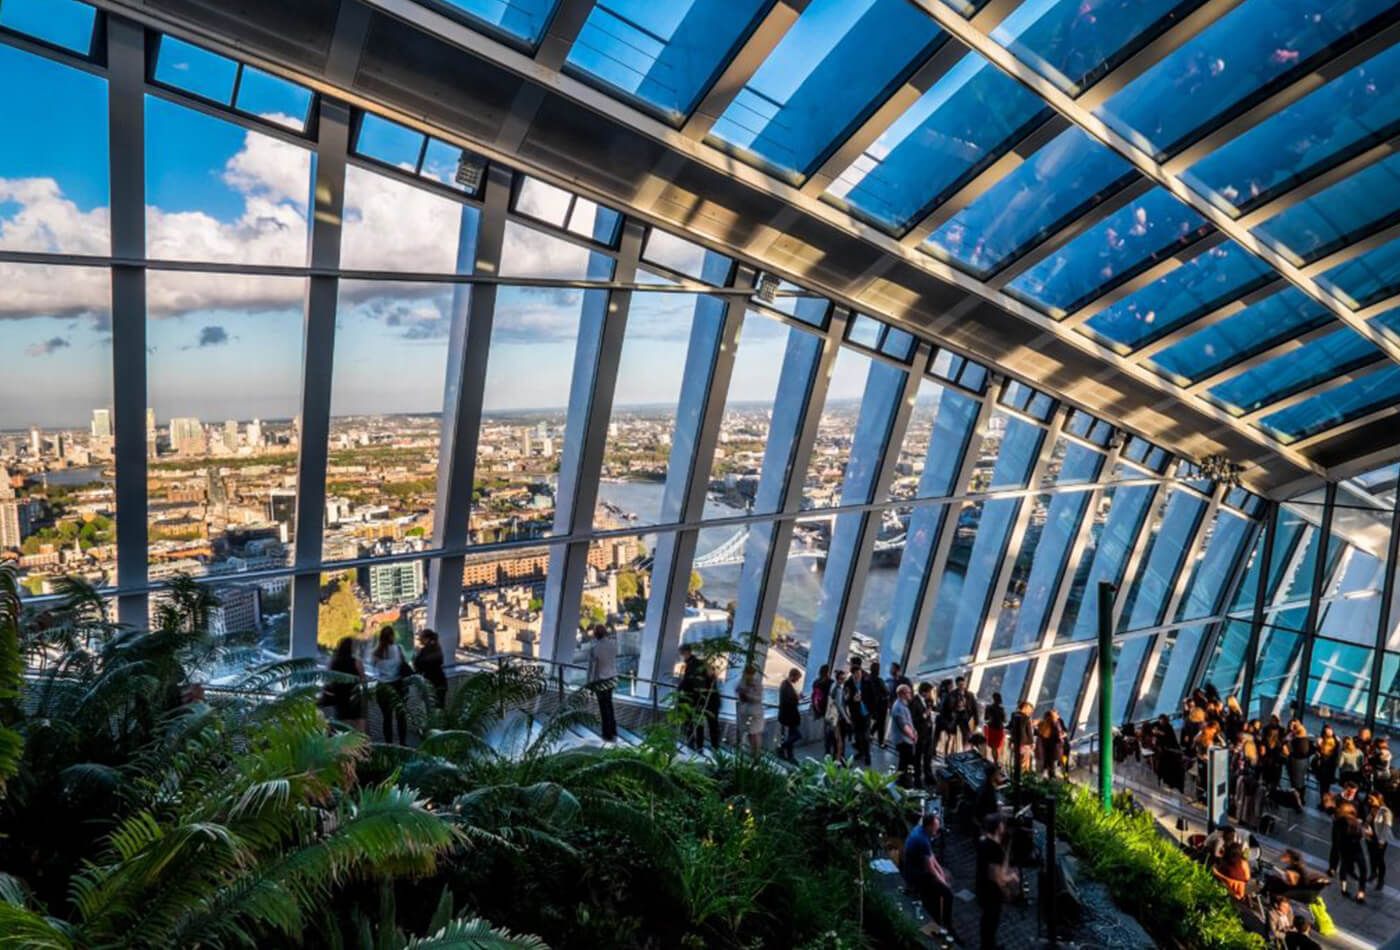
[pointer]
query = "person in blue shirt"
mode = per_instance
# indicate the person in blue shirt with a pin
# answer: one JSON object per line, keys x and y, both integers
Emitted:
{"x": 924, "y": 875}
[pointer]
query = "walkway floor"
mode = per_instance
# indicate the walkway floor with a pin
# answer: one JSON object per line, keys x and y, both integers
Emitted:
{"x": 1359, "y": 925}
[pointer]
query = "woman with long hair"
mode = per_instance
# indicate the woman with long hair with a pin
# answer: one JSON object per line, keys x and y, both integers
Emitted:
{"x": 751, "y": 722}
{"x": 346, "y": 698}
{"x": 391, "y": 692}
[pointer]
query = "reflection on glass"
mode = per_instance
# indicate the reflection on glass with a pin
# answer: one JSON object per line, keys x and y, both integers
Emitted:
{"x": 662, "y": 55}
{"x": 1337, "y": 352}
{"x": 390, "y": 225}
{"x": 1344, "y": 117}
{"x": 1126, "y": 242}
{"x": 1336, "y": 406}
{"x": 1364, "y": 280}
{"x": 53, "y": 188}
{"x": 224, "y": 369}
{"x": 216, "y": 191}
{"x": 1062, "y": 683}
{"x": 1148, "y": 598}
{"x": 963, "y": 123}
{"x": 835, "y": 65}
{"x": 65, "y": 23}
{"x": 517, "y": 19}
{"x": 1055, "y": 185}
{"x": 1249, "y": 51}
{"x": 1075, "y": 42}
{"x": 57, "y": 503}
{"x": 1210, "y": 574}
{"x": 1116, "y": 526}
{"x": 390, "y": 367}
{"x": 1344, "y": 213}
{"x": 1256, "y": 328}
{"x": 1339, "y": 679}
{"x": 1197, "y": 287}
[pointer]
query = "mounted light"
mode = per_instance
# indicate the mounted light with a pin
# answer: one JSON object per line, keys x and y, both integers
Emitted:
{"x": 471, "y": 171}
{"x": 767, "y": 289}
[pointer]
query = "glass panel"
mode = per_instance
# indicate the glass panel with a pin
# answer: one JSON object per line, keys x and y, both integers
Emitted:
{"x": 1006, "y": 681}
{"x": 940, "y": 426}
{"x": 1073, "y": 43}
{"x": 1062, "y": 683}
{"x": 1336, "y": 406}
{"x": 390, "y": 368}
{"x": 1339, "y": 678}
{"x": 534, "y": 337}
{"x": 57, "y": 504}
{"x": 1253, "y": 49}
{"x": 768, "y": 352}
{"x": 1344, "y": 117}
{"x": 686, "y": 258}
{"x": 1351, "y": 605}
{"x": 1106, "y": 557}
{"x": 961, "y": 125}
{"x": 392, "y": 226}
{"x": 831, "y": 69}
{"x": 1341, "y": 215}
{"x": 1364, "y": 280}
{"x": 224, "y": 356}
{"x": 1226, "y": 666}
{"x": 1126, "y": 242}
{"x": 250, "y": 626}
{"x": 1255, "y": 329}
{"x": 53, "y": 177}
{"x": 527, "y": 252}
{"x": 644, "y": 414}
{"x": 615, "y": 593}
{"x": 273, "y": 98}
{"x": 1054, "y": 186}
{"x": 836, "y": 430}
{"x": 1335, "y": 353}
{"x": 65, "y": 23}
{"x": 1040, "y": 564}
{"x": 389, "y": 142}
{"x": 1220, "y": 550}
{"x": 441, "y": 162}
{"x": 1147, "y": 599}
{"x": 216, "y": 191}
{"x": 1201, "y": 285}
{"x": 195, "y": 69}
{"x": 517, "y": 19}
{"x": 662, "y": 55}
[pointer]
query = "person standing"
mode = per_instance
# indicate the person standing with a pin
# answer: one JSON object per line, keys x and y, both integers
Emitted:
{"x": 750, "y": 709}
{"x": 1349, "y": 835}
{"x": 1328, "y": 748}
{"x": 995, "y": 879}
{"x": 1379, "y": 828}
{"x": 836, "y": 724}
{"x": 428, "y": 663}
{"x": 602, "y": 677}
{"x": 1051, "y": 733}
{"x": 389, "y": 665}
{"x": 924, "y": 875}
{"x": 821, "y": 691}
{"x": 965, "y": 717}
{"x": 1350, "y": 762}
{"x": 919, "y": 709}
{"x": 346, "y": 696}
{"x": 691, "y": 696}
{"x": 790, "y": 714}
{"x": 877, "y": 700}
{"x": 858, "y": 713}
{"x": 905, "y": 735}
{"x": 1299, "y": 750}
{"x": 1022, "y": 736}
{"x": 995, "y": 729}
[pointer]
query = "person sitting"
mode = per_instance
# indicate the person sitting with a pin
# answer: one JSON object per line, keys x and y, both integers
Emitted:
{"x": 1280, "y": 919}
{"x": 1233, "y": 871}
{"x": 1216, "y": 844}
{"x": 924, "y": 875}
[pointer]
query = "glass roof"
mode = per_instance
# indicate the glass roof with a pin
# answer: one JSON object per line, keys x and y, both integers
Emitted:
{"x": 1363, "y": 280}
{"x": 1349, "y": 114}
{"x": 1132, "y": 238}
{"x": 1336, "y": 353}
{"x": 1074, "y": 42}
{"x": 1341, "y": 215}
{"x": 661, "y": 55}
{"x": 1197, "y": 287}
{"x": 1055, "y": 185}
{"x": 837, "y": 63}
{"x": 1241, "y": 57}
{"x": 964, "y": 122}
{"x": 65, "y": 23}
{"x": 1254, "y": 329}
{"x": 1336, "y": 406}
{"x": 516, "y": 19}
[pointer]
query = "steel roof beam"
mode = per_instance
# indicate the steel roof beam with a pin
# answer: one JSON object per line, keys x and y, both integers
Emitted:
{"x": 1319, "y": 183}
{"x": 1219, "y": 314}
{"x": 741, "y": 67}
{"x": 1303, "y": 395}
{"x": 1144, "y": 279}
{"x": 1281, "y": 348}
{"x": 564, "y": 27}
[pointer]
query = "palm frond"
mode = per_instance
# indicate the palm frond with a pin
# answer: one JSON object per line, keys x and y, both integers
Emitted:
{"x": 474, "y": 934}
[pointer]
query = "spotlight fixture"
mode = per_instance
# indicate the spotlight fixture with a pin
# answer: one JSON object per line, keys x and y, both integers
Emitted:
{"x": 471, "y": 170}
{"x": 1219, "y": 468}
{"x": 767, "y": 289}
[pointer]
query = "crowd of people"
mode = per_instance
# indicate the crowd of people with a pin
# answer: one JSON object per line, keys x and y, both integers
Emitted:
{"x": 346, "y": 697}
{"x": 859, "y": 708}
{"x": 994, "y": 882}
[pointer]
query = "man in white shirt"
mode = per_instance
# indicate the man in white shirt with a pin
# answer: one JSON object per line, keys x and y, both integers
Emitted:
{"x": 602, "y": 673}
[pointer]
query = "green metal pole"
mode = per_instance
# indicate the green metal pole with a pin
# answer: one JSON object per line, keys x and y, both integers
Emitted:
{"x": 1106, "y": 591}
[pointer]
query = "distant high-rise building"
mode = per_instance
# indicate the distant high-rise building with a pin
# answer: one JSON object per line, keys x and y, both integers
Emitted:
{"x": 282, "y": 509}
{"x": 542, "y": 430}
{"x": 6, "y": 489}
{"x": 231, "y": 435}
{"x": 525, "y": 443}
{"x": 187, "y": 436}
{"x": 15, "y": 522}
{"x": 150, "y": 433}
{"x": 253, "y": 434}
{"x": 36, "y": 442}
{"x": 101, "y": 423}
{"x": 395, "y": 583}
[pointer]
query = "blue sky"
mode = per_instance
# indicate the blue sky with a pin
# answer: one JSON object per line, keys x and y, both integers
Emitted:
{"x": 228, "y": 346}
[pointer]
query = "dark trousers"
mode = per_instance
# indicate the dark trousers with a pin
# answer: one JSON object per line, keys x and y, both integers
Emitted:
{"x": 607, "y": 718}
{"x": 937, "y": 899}
{"x": 1353, "y": 865}
{"x": 877, "y": 726}
{"x": 712, "y": 723}
{"x": 861, "y": 737}
{"x": 390, "y": 697}
{"x": 1376, "y": 849}
{"x": 991, "y": 922}
{"x": 923, "y": 760}
{"x": 907, "y": 775}
{"x": 792, "y": 734}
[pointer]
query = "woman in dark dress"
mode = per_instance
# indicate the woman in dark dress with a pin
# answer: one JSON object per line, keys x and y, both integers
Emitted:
{"x": 347, "y": 698}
